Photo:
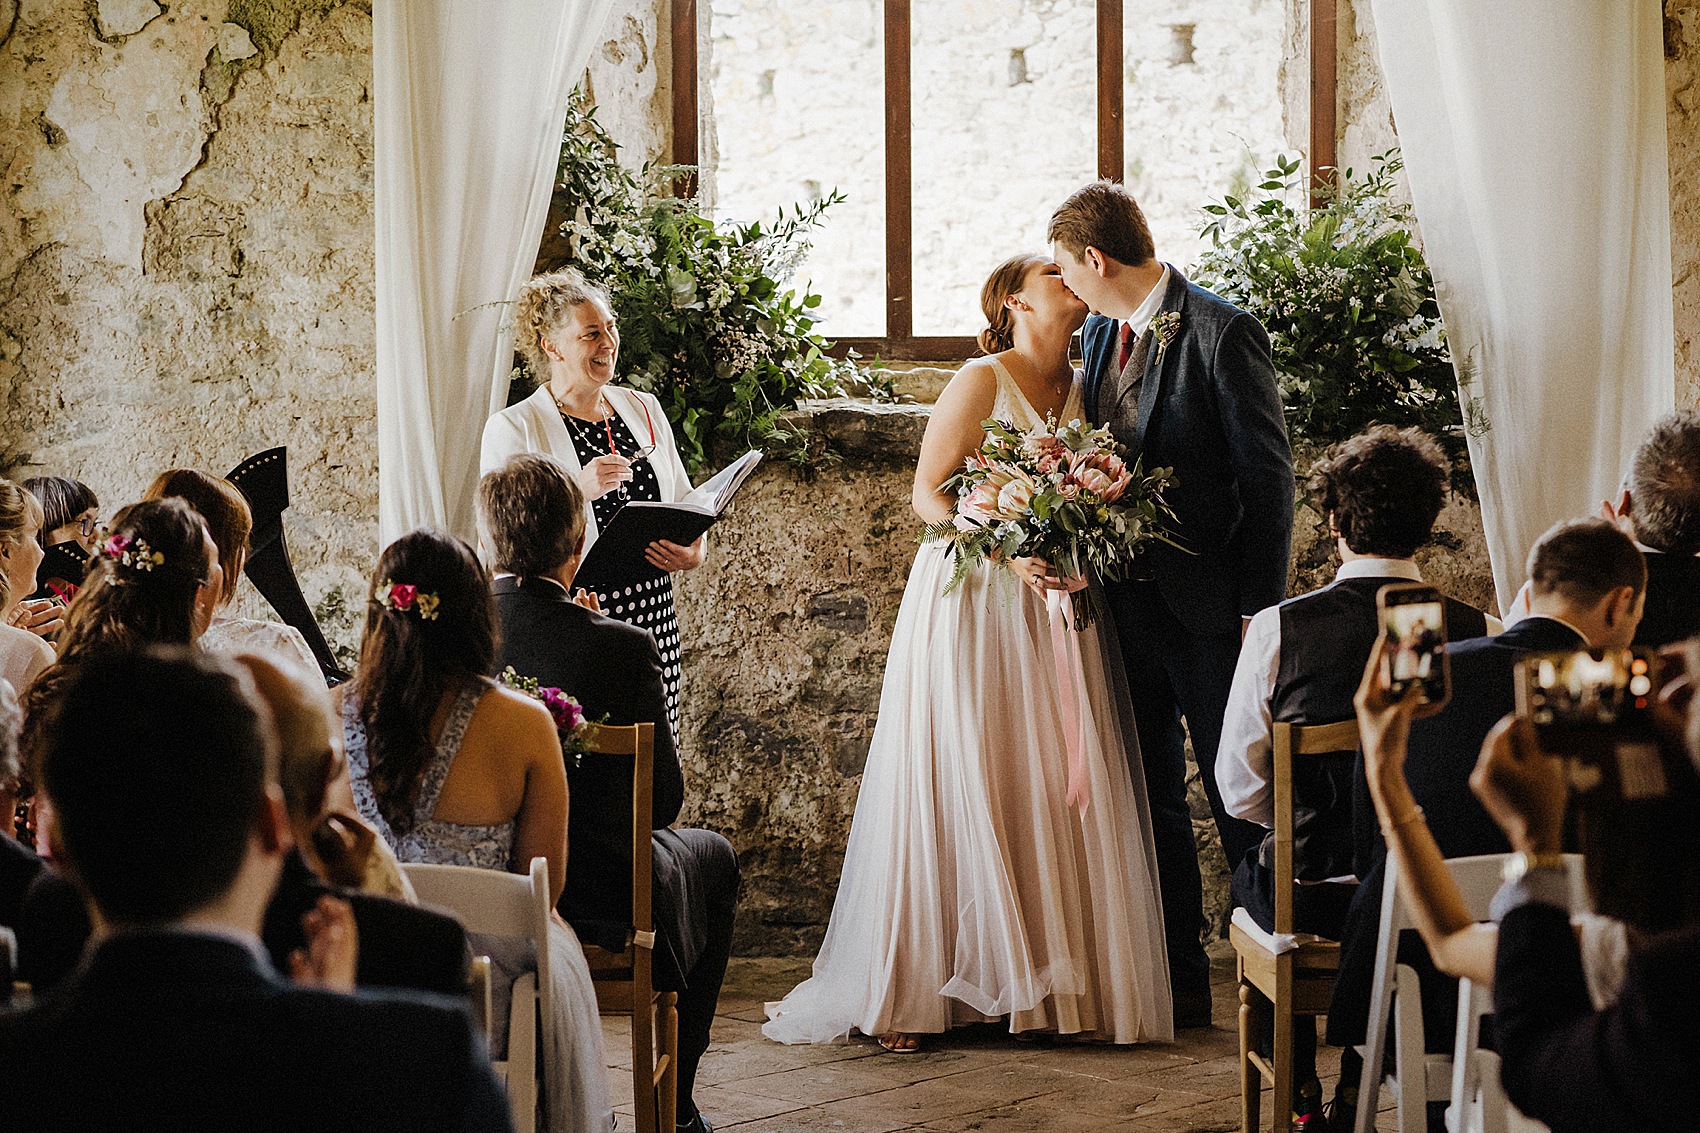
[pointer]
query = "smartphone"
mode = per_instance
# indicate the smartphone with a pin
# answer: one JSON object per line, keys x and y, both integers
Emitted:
{"x": 1579, "y": 690}
{"x": 1414, "y": 618}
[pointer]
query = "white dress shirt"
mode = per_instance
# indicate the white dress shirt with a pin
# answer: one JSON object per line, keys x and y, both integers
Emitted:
{"x": 1245, "y": 759}
{"x": 1140, "y": 320}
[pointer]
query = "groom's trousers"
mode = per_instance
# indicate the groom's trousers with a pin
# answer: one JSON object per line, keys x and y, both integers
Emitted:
{"x": 1175, "y": 674}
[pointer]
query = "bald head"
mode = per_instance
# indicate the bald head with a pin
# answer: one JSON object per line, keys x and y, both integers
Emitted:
{"x": 301, "y": 711}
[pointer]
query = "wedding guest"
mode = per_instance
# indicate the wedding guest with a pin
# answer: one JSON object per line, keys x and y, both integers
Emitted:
{"x": 1592, "y": 1018}
{"x": 1381, "y": 491}
{"x": 19, "y": 865}
{"x": 71, "y": 516}
{"x": 452, "y": 768}
{"x": 177, "y": 1019}
{"x": 1183, "y": 379}
{"x": 531, "y": 514}
{"x": 23, "y": 654}
{"x": 616, "y": 443}
{"x": 1586, "y": 582}
{"x": 231, "y": 522}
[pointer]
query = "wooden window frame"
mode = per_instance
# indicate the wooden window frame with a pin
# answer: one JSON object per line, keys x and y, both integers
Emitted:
{"x": 900, "y": 343}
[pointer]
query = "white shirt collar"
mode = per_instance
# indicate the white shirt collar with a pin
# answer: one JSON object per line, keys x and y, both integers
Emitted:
{"x": 1380, "y": 568}
{"x": 1146, "y": 311}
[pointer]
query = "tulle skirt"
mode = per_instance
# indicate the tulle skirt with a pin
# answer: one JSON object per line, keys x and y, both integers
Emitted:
{"x": 972, "y": 890}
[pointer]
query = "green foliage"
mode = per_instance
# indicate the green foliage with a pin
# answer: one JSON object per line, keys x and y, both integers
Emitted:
{"x": 707, "y": 321}
{"x": 1348, "y": 302}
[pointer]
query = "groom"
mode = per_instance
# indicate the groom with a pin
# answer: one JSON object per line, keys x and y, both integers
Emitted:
{"x": 1183, "y": 379}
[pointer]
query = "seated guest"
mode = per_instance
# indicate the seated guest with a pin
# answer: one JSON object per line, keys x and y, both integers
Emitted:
{"x": 230, "y": 521}
{"x": 176, "y": 1019}
{"x": 1594, "y": 1027}
{"x": 1586, "y": 582}
{"x": 71, "y": 516}
{"x": 1659, "y": 508}
{"x": 23, "y": 654}
{"x": 1382, "y": 491}
{"x": 452, "y": 768}
{"x": 19, "y": 864}
{"x": 532, "y": 517}
{"x": 400, "y": 946}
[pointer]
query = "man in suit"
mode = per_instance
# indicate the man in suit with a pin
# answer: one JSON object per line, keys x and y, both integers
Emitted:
{"x": 1184, "y": 380}
{"x": 1632, "y": 1065}
{"x": 532, "y": 518}
{"x": 1301, "y": 664}
{"x": 1587, "y": 585}
{"x": 176, "y": 1018}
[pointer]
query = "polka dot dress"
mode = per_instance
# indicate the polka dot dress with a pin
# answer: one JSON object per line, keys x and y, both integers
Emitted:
{"x": 649, "y": 603}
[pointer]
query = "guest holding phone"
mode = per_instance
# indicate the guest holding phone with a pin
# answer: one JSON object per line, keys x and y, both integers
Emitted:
{"x": 615, "y": 442}
{"x": 1381, "y": 491}
{"x": 70, "y": 518}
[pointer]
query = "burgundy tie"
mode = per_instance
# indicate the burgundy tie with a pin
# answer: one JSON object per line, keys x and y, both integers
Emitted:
{"x": 1127, "y": 347}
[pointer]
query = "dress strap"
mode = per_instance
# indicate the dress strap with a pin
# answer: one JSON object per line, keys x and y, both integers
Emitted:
{"x": 448, "y": 746}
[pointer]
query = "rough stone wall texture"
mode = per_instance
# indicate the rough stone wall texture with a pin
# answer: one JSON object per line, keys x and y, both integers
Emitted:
{"x": 786, "y": 630}
{"x": 1004, "y": 97}
{"x": 186, "y": 254}
{"x": 1682, "y": 123}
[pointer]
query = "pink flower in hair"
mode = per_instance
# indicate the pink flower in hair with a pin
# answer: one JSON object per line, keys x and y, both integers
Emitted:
{"x": 116, "y": 545}
{"x": 402, "y": 595}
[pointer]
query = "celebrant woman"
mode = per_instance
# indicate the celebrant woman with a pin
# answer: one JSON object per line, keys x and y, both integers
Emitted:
{"x": 616, "y": 442}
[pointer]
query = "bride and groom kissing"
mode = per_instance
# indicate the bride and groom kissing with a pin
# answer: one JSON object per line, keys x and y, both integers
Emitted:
{"x": 972, "y": 890}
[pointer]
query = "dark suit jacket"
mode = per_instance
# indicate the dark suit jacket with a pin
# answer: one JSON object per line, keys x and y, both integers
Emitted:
{"x": 613, "y": 669}
{"x": 170, "y": 1030}
{"x": 1635, "y": 1065}
{"x": 18, "y": 869}
{"x": 401, "y": 945}
{"x": 1210, "y": 410}
{"x": 1673, "y": 600}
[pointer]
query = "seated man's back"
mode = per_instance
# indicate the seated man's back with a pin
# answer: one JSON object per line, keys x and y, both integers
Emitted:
{"x": 178, "y": 1029}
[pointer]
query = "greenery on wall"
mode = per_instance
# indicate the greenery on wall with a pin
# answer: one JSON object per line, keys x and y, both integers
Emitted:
{"x": 1348, "y": 302}
{"x": 709, "y": 321}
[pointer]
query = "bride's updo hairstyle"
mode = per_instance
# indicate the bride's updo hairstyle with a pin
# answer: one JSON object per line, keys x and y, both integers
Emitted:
{"x": 430, "y": 624}
{"x": 545, "y": 302}
{"x": 140, "y": 590}
{"x": 1006, "y": 279}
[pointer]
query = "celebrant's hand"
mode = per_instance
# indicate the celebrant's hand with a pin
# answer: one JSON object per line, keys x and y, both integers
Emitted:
{"x": 589, "y": 601}
{"x": 603, "y": 475}
{"x": 1041, "y": 576}
{"x": 40, "y": 616}
{"x": 667, "y": 556}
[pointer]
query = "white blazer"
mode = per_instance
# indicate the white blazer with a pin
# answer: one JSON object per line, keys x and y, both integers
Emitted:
{"x": 534, "y": 425}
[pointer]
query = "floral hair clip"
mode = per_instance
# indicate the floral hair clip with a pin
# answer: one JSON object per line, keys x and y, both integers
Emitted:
{"x": 131, "y": 551}
{"x": 404, "y": 597}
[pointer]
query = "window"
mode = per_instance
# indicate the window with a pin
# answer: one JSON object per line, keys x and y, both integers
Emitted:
{"x": 955, "y": 126}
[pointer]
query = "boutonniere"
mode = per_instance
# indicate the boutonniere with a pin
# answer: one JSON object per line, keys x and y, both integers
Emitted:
{"x": 1165, "y": 326}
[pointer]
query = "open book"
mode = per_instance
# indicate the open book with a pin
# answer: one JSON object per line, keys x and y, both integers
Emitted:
{"x": 617, "y": 554}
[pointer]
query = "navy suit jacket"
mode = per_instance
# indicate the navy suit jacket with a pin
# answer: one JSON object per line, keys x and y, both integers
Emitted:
{"x": 171, "y": 1030}
{"x": 1209, "y": 408}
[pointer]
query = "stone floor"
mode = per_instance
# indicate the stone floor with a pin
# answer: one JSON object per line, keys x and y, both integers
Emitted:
{"x": 973, "y": 1079}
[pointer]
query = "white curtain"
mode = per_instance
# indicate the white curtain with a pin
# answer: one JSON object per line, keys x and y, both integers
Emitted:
{"x": 469, "y": 102}
{"x": 1534, "y": 136}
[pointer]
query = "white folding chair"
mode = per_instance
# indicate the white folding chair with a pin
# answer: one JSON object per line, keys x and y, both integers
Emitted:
{"x": 495, "y": 903}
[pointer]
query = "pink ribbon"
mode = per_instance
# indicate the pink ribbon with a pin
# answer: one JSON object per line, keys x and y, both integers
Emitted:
{"x": 1071, "y": 680}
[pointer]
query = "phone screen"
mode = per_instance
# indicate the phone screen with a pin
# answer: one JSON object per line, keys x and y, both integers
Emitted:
{"x": 1415, "y": 621}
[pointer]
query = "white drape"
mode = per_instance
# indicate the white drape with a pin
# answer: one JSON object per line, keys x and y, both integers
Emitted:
{"x": 469, "y": 99}
{"x": 1534, "y": 136}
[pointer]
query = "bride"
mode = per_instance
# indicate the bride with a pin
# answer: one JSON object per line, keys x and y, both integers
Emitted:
{"x": 972, "y": 890}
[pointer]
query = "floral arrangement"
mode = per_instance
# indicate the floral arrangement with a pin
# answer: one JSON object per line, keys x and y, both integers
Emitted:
{"x": 404, "y": 596}
{"x": 131, "y": 551}
{"x": 707, "y": 321}
{"x": 1349, "y": 304}
{"x": 570, "y": 720}
{"x": 1063, "y": 493}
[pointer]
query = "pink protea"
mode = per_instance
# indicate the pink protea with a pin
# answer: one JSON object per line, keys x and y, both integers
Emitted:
{"x": 1104, "y": 474}
{"x": 1015, "y": 497}
{"x": 979, "y": 505}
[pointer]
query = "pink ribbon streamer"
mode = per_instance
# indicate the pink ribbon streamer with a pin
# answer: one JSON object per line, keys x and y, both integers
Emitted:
{"x": 1071, "y": 680}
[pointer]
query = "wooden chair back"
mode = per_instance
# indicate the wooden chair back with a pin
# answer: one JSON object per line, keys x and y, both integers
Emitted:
{"x": 1298, "y": 740}
{"x": 625, "y": 980}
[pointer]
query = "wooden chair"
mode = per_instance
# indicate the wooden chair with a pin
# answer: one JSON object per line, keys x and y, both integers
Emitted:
{"x": 1290, "y": 974}
{"x": 495, "y": 903}
{"x": 624, "y": 983}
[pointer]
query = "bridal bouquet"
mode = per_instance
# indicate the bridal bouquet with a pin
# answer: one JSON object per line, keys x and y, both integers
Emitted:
{"x": 1062, "y": 493}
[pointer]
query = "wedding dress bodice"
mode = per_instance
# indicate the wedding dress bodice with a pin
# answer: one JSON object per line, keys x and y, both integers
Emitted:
{"x": 1011, "y": 405}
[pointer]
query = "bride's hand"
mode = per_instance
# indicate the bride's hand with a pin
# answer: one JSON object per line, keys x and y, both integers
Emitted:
{"x": 1038, "y": 574}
